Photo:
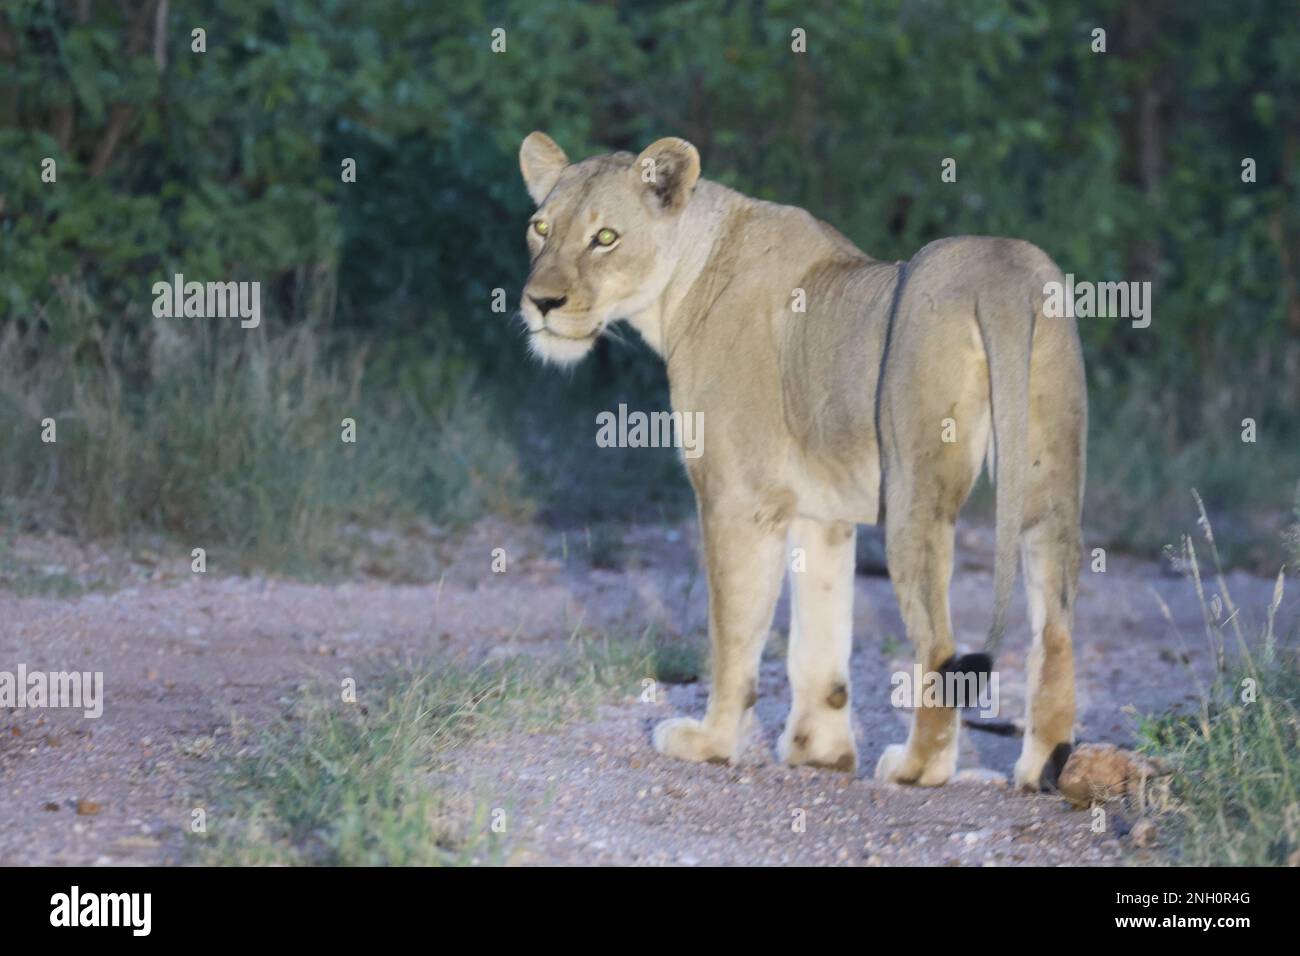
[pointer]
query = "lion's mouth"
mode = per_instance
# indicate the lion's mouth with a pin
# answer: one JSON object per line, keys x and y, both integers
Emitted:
{"x": 589, "y": 337}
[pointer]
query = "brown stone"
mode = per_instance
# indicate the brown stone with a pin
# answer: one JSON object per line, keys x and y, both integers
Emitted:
{"x": 1100, "y": 772}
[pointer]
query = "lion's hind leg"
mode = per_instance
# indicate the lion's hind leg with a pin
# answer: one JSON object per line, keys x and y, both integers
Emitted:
{"x": 935, "y": 417}
{"x": 920, "y": 552}
{"x": 1052, "y": 546}
{"x": 1051, "y": 566}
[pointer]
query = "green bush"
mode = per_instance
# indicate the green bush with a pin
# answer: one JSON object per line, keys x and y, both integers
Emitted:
{"x": 1125, "y": 164}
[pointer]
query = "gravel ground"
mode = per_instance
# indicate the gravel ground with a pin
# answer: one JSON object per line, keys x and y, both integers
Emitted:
{"x": 188, "y": 659}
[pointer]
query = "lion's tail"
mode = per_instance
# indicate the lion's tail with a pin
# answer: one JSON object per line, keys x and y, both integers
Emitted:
{"x": 1008, "y": 339}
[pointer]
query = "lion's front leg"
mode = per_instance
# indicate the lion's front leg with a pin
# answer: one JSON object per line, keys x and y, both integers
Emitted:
{"x": 820, "y": 727}
{"x": 743, "y": 552}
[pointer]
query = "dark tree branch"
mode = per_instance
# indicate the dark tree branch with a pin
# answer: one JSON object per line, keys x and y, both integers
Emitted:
{"x": 145, "y": 26}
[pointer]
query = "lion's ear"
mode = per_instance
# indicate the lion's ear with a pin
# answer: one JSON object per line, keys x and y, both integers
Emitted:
{"x": 668, "y": 170}
{"x": 541, "y": 161}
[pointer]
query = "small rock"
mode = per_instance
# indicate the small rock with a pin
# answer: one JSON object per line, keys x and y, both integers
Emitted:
{"x": 87, "y": 808}
{"x": 1144, "y": 833}
{"x": 1100, "y": 772}
{"x": 138, "y": 843}
{"x": 981, "y": 776}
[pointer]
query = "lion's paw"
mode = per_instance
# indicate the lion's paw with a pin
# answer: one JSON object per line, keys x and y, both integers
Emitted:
{"x": 687, "y": 739}
{"x": 1040, "y": 766}
{"x": 832, "y": 749}
{"x": 898, "y": 765}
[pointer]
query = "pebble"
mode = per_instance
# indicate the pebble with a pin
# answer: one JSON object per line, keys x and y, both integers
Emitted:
{"x": 1144, "y": 833}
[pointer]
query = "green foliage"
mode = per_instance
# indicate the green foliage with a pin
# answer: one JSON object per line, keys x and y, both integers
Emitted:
{"x": 355, "y": 784}
{"x": 226, "y": 164}
{"x": 1237, "y": 770}
{"x": 1235, "y": 785}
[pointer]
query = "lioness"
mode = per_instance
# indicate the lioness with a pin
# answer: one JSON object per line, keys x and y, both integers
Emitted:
{"x": 895, "y": 376}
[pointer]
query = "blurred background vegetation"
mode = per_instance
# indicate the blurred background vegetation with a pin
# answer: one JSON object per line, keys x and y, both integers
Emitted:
{"x": 225, "y": 165}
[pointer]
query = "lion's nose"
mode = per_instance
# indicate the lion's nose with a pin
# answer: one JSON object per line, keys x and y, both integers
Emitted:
{"x": 545, "y": 305}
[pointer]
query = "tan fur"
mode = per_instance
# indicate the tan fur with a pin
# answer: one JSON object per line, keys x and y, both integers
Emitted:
{"x": 822, "y": 419}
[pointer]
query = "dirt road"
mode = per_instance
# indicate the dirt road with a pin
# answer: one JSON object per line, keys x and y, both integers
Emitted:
{"x": 186, "y": 657}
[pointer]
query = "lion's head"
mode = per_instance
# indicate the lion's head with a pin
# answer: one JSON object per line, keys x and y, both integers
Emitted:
{"x": 601, "y": 240}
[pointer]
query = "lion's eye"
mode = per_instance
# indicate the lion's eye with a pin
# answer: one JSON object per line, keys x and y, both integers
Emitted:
{"x": 542, "y": 227}
{"x": 606, "y": 237}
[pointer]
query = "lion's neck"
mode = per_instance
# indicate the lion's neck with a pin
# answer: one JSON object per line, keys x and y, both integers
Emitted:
{"x": 708, "y": 218}
{"x": 711, "y": 250}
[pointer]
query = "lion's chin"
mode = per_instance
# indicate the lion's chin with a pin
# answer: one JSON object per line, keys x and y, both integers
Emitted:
{"x": 559, "y": 349}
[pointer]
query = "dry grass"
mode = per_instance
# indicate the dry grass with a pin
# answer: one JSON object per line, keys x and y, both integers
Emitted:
{"x": 1236, "y": 783}
{"x": 232, "y": 440}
